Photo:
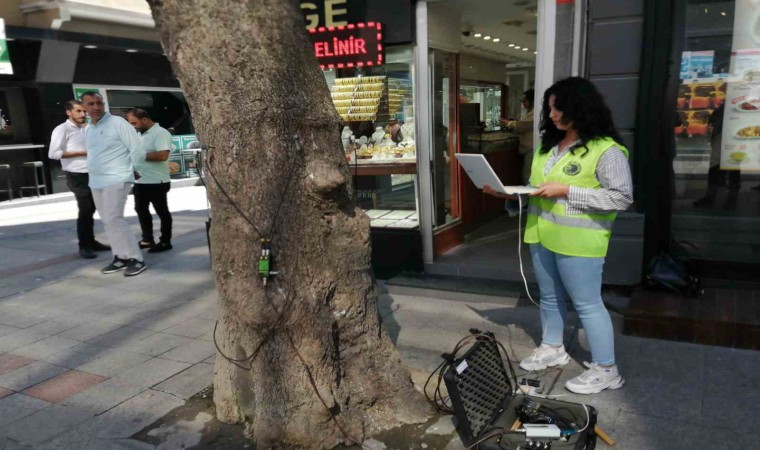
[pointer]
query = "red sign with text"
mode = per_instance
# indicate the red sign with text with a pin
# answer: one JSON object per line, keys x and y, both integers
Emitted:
{"x": 352, "y": 45}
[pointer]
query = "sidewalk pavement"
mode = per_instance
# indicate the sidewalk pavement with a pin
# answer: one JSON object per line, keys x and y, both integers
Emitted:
{"x": 88, "y": 360}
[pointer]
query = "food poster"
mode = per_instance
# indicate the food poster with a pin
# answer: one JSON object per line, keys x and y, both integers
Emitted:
{"x": 695, "y": 65}
{"x": 6, "y": 68}
{"x": 189, "y": 142}
{"x": 740, "y": 146}
{"x": 176, "y": 145}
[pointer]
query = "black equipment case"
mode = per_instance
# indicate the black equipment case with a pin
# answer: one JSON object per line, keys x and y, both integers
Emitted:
{"x": 484, "y": 403}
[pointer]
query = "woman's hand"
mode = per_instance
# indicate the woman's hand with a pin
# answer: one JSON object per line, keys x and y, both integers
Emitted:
{"x": 551, "y": 190}
{"x": 490, "y": 191}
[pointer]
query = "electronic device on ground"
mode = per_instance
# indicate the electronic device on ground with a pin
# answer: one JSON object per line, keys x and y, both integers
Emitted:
{"x": 481, "y": 173}
{"x": 485, "y": 406}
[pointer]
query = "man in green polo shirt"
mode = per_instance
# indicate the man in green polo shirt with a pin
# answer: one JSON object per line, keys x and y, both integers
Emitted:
{"x": 154, "y": 182}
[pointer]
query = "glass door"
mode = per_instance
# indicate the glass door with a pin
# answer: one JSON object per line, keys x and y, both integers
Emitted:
{"x": 716, "y": 204}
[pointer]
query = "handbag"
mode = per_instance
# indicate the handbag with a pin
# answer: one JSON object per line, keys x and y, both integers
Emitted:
{"x": 673, "y": 274}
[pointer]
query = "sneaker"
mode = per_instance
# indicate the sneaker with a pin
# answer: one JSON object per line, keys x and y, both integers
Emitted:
{"x": 134, "y": 267}
{"x": 595, "y": 380}
{"x": 146, "y": 244}
{"x": 117, "y": 265}
{"x": 99, "y": 247}
{"x": 545, "y": 356}
{"x": 86, "y": 253}
{"x": 160, "y": 247}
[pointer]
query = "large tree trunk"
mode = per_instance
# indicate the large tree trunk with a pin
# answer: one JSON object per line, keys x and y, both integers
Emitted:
{"x": 321, "y": 368}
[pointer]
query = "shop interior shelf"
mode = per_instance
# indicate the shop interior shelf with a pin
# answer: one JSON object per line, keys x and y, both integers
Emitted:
{"x": 383, "y": 169}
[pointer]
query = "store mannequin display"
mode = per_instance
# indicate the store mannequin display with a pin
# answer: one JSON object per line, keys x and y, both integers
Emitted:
{"x": 378, "y": 135}
{"x": 407, "y": 130}
{"x": 346, "y": 138}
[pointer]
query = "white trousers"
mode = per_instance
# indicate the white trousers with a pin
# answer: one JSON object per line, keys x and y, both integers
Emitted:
{"x": 110, "y": 202}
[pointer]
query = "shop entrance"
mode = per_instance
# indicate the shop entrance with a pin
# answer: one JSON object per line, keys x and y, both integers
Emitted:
{"x": 479, "y": 80}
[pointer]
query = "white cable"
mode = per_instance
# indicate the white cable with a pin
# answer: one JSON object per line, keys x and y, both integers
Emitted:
{"x": 519, "y": 249}
{"x": 588, "y": 418}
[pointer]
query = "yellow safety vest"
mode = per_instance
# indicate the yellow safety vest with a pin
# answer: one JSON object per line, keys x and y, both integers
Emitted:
{"x": 586, "y": 235}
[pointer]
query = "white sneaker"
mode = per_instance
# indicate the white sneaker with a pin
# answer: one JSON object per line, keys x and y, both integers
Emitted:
{"x": 595, "y": 380}
{"x": 545, "y": 356}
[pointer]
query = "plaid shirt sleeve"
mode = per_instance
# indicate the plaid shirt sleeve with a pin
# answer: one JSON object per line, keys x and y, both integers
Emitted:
{"x": 616, "y": 193}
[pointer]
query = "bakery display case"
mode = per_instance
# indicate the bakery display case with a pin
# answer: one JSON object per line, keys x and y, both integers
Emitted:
{"x": 376, "y": 105}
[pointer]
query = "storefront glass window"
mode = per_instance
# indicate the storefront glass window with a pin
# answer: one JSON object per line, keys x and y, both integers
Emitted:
{"x": 168, "y": 108}
{"x": 378, "y": 136}
{"x": 488, "y": 96}
{"x": 716, "y": 208}
{"x": 444, "y": 143}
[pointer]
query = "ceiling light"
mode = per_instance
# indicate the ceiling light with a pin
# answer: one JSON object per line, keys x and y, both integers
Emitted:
{"x": 511, "y": 45}
{"x": 497, "y": 40}
{"x": 517, "y": 47}
{"x": 477, "y": 35}
{"x": 722, "y": 13}
{"x": 525, "y": 49}
{"x": 90, "y": 46}
{"x": 131, "y": 50}
{"x": 535, "y": 53}
{"x": 486, "y": 37}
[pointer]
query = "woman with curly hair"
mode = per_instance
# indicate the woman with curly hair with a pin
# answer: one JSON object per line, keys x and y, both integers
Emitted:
{"x": 583, "y": 178}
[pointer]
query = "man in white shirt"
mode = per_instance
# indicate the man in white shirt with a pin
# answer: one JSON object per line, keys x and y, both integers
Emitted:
{"x": 114, "y": 157}
{"x": 67, "y": 144}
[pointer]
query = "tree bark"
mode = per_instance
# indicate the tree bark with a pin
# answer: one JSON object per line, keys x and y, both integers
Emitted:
{"x": 316, "y": 366}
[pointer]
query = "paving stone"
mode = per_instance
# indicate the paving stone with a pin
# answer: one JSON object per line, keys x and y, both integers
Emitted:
{"x": 90, "y": 330}
{"x": 156, "y": 344}
{"x": 7, "y": 444}
{"x": 29, "y": 375}
{"x": 113, "y": 363}
{"x": 151, "y": 372}
{"x": 63, "y": 386}
{"x": 74, "y": 357}
{"x": 104, "y": 396}
{"x": 6, "y": 329}
{"x": 192, "y": 352}
{"x": 189, "y": 382}
{"x": 19, "y": 339}
{"x": 192, "y": 328}
{"x": 5, "y": 392}
{"x": 211, "y": 360}
{"x": 131, "y": 416}
{"x": 163, "y": 320}
{"x": 45, "y": 424}
{"x": 10, "y": 362}
{"x": 17, "y": 406}
{"x": 121, "y": 337}
{"x": 45, "y": 347}
{"x": 22, "y": 317}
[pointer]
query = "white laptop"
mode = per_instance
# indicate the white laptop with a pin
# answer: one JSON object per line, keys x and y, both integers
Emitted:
{"x": 481, "y": 173}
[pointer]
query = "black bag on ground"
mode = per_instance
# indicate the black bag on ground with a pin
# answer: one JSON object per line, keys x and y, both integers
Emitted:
{"x": 673, "y": 274}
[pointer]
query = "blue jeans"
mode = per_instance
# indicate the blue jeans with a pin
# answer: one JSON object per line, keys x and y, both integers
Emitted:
{"x": 579, "y": 278}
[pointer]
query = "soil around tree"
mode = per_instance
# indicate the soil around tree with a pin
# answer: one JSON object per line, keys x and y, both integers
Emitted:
{"x": 216, "y": 435}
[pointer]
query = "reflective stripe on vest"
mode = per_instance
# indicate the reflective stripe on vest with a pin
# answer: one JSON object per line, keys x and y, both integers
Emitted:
{"x": 571, "y": 221}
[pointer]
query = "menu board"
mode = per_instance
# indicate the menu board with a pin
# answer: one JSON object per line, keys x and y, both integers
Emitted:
{"x": 740, "y": 144}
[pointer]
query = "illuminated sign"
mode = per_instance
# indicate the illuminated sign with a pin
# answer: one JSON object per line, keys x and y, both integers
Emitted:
{"x": 5, "y": 58}
{"x": 352, "y": 45}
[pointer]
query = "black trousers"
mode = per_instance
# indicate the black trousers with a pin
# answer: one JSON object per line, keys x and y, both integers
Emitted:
{"x": 155, "y": 194}
{"x": 78, "y": 183}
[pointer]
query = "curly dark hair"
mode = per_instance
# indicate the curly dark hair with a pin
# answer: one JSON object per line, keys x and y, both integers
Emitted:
{"x": 583, "y": 106}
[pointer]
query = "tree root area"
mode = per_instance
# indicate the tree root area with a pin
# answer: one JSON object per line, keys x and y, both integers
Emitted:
{"x": 172, "y": 431}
